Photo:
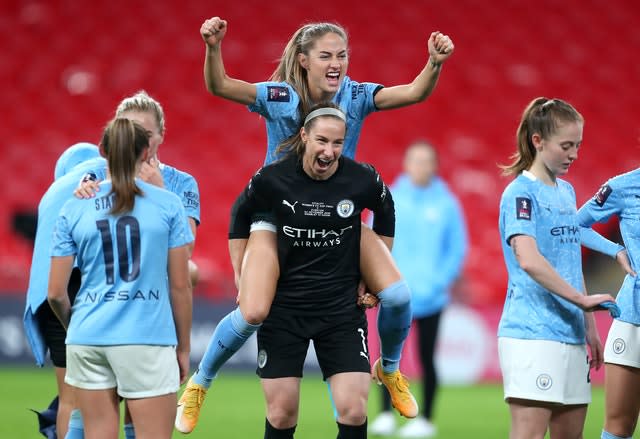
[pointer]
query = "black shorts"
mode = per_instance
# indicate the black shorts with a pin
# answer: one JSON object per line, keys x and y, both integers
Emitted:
{"x": 340, "y": 343}
{"x": 52, "y": 330}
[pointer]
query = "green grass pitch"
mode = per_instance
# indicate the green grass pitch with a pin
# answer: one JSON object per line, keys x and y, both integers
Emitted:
{"x": 234, "y": 408}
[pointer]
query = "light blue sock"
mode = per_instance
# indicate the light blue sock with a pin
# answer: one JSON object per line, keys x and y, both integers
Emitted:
{"x": 229, "y": 336}
{"x": 76, "y": 426}
{"x": 129, "y": 432}
{"x": 394, "y": 322}
{"x": 607, "y": 435}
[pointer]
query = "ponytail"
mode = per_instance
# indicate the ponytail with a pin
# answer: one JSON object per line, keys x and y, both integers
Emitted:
{"x": 540, "y": 117}
{"x": 123, "y": 142}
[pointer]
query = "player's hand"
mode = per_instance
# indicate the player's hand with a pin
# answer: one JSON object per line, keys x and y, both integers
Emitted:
{"x": 183, "y": 364}
{"x": 623, "y": 259}
{"x": 440, "y": 47}
{"x": 88, "y": 187}
{"x": 595, "y": 347}
{"x": 366, "y": 300}
{"x": 213, "y": 31}
{"x": 600, "y": 302}
{"x": 150, "y": 172}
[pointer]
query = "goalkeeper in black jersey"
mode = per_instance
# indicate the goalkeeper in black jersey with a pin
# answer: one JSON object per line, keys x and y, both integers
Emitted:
{"x": 316, "y": 197}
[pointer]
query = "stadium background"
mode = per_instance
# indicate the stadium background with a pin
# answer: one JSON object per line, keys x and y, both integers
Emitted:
{"x": 65, "y": 65}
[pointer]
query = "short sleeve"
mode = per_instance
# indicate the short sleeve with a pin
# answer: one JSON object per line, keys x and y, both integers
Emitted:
{"x": 605, "y": 203}
{"x": 63, "y": 243}
{"x": 179, "y": 232}
{"x": 519, "y": 214}
{"x": 273, "y": 98}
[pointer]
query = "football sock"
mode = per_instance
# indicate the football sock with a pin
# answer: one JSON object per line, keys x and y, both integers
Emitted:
{"x": 352, "y": 431}
{"x": 607, "y": 435}
{"x": 229, "y": 336}
{"x": 394, "y": 322}
{"x": 76, "y": 426}
{"x": 129, "y": 432}
{"x": 270, "y": 432}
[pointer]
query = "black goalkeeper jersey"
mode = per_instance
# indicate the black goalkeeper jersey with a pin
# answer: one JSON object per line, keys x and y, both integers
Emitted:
{"x": 318, "y": 226}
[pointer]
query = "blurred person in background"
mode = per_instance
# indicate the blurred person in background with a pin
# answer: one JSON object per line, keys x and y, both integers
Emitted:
{"x": 429, "y": 247}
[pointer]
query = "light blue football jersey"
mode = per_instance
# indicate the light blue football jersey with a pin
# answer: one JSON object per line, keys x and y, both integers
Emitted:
{"x": 278, "y": 103}
{"x": 621, "y": 196}
{"x": 52, "y": 201}
{"x": 184, "y": 186}
{"x": 548, "y": 214}
{"x": 124, "y": 294}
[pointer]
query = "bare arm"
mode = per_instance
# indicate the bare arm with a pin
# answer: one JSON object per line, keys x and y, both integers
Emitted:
{"x": 215, "y": 78}
{"x": 181, "y": 304}
{"x": 440, "y": 48}
{"x": 535, "y": 265}
{"x": 593, "y": 338}
{"x": 57, "y": 296}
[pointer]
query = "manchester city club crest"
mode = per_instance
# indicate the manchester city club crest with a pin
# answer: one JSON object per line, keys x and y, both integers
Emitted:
{"x": 544, "y": 382}
{"x": 262, "y": 358}
{"x": 345, "y": 208}
{"x": 619, "y": 346}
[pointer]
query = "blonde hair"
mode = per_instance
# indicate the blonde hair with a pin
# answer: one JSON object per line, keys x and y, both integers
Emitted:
{"x": 123, "y": 142}
{"x": 142, "y": 102}
{"x": 541, "y": 117}
{"x": 289, "y": 69}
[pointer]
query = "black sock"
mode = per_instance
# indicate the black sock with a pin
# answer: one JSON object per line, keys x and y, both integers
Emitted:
{"x": 271, "y": 432}
{"x": 352, "y": 431}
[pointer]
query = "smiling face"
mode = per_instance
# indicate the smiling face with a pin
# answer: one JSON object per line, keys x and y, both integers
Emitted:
{"x": 326, "y": 65}
{"x": 555, "y": 154}
{"x": 323, "y": 147}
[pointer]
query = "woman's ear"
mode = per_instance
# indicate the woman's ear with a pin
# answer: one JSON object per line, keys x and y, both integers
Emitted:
{"x": 103, "y": 153}
{"x": 536, "y": 140}
{"x": 303, "y": 60}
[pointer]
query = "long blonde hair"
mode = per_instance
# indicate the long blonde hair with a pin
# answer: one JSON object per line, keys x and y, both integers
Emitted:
{"x": 541, "y": 117}
{"x": 289, "y": 69}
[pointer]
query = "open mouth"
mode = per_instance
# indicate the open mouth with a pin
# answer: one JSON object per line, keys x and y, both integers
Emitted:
{"x": 333, "y": 77}
{"x": 323, "y": 164}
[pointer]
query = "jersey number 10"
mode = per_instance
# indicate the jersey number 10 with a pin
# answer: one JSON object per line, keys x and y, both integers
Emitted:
{"x": 127, "y": 246}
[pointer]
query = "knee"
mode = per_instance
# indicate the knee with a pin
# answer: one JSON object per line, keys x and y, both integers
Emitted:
{"x": 254, "y": 314}
{"x": 282, "y": 417}
{"x": 353, "y": 414}
{"x": 396, "y": 295}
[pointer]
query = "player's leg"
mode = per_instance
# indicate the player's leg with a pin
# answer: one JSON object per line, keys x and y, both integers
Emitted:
{"x": 148, "y": 379}
{"x": 622, "y": 379}
{"x": 283, "y": 342}
{"x": 54, "y": 334}
{"x": 66, "y": 404}
{"x": 100, "y": 412}
{"x": 567, "y": 422}
{"x": 260, "y": 271}
{"x": 94, "y": 382}
{"x": 383, "y": 278}
{"x": 282, "y": 397}
{"x": 341, "y": 345}
{"x": 153, "y": 417}
{"x": 257, "y": 284}
{"x": 529, "y": 419}
{"x": 622, "y": 399}
{"x": 350, "y": 393}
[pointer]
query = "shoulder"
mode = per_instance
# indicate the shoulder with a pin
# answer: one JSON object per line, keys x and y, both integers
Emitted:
{"x": 175, "y": 173}
{"x": 158, "y": 193}
{"x": 623, "y": 180}
{"x": 273, "y": 91}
